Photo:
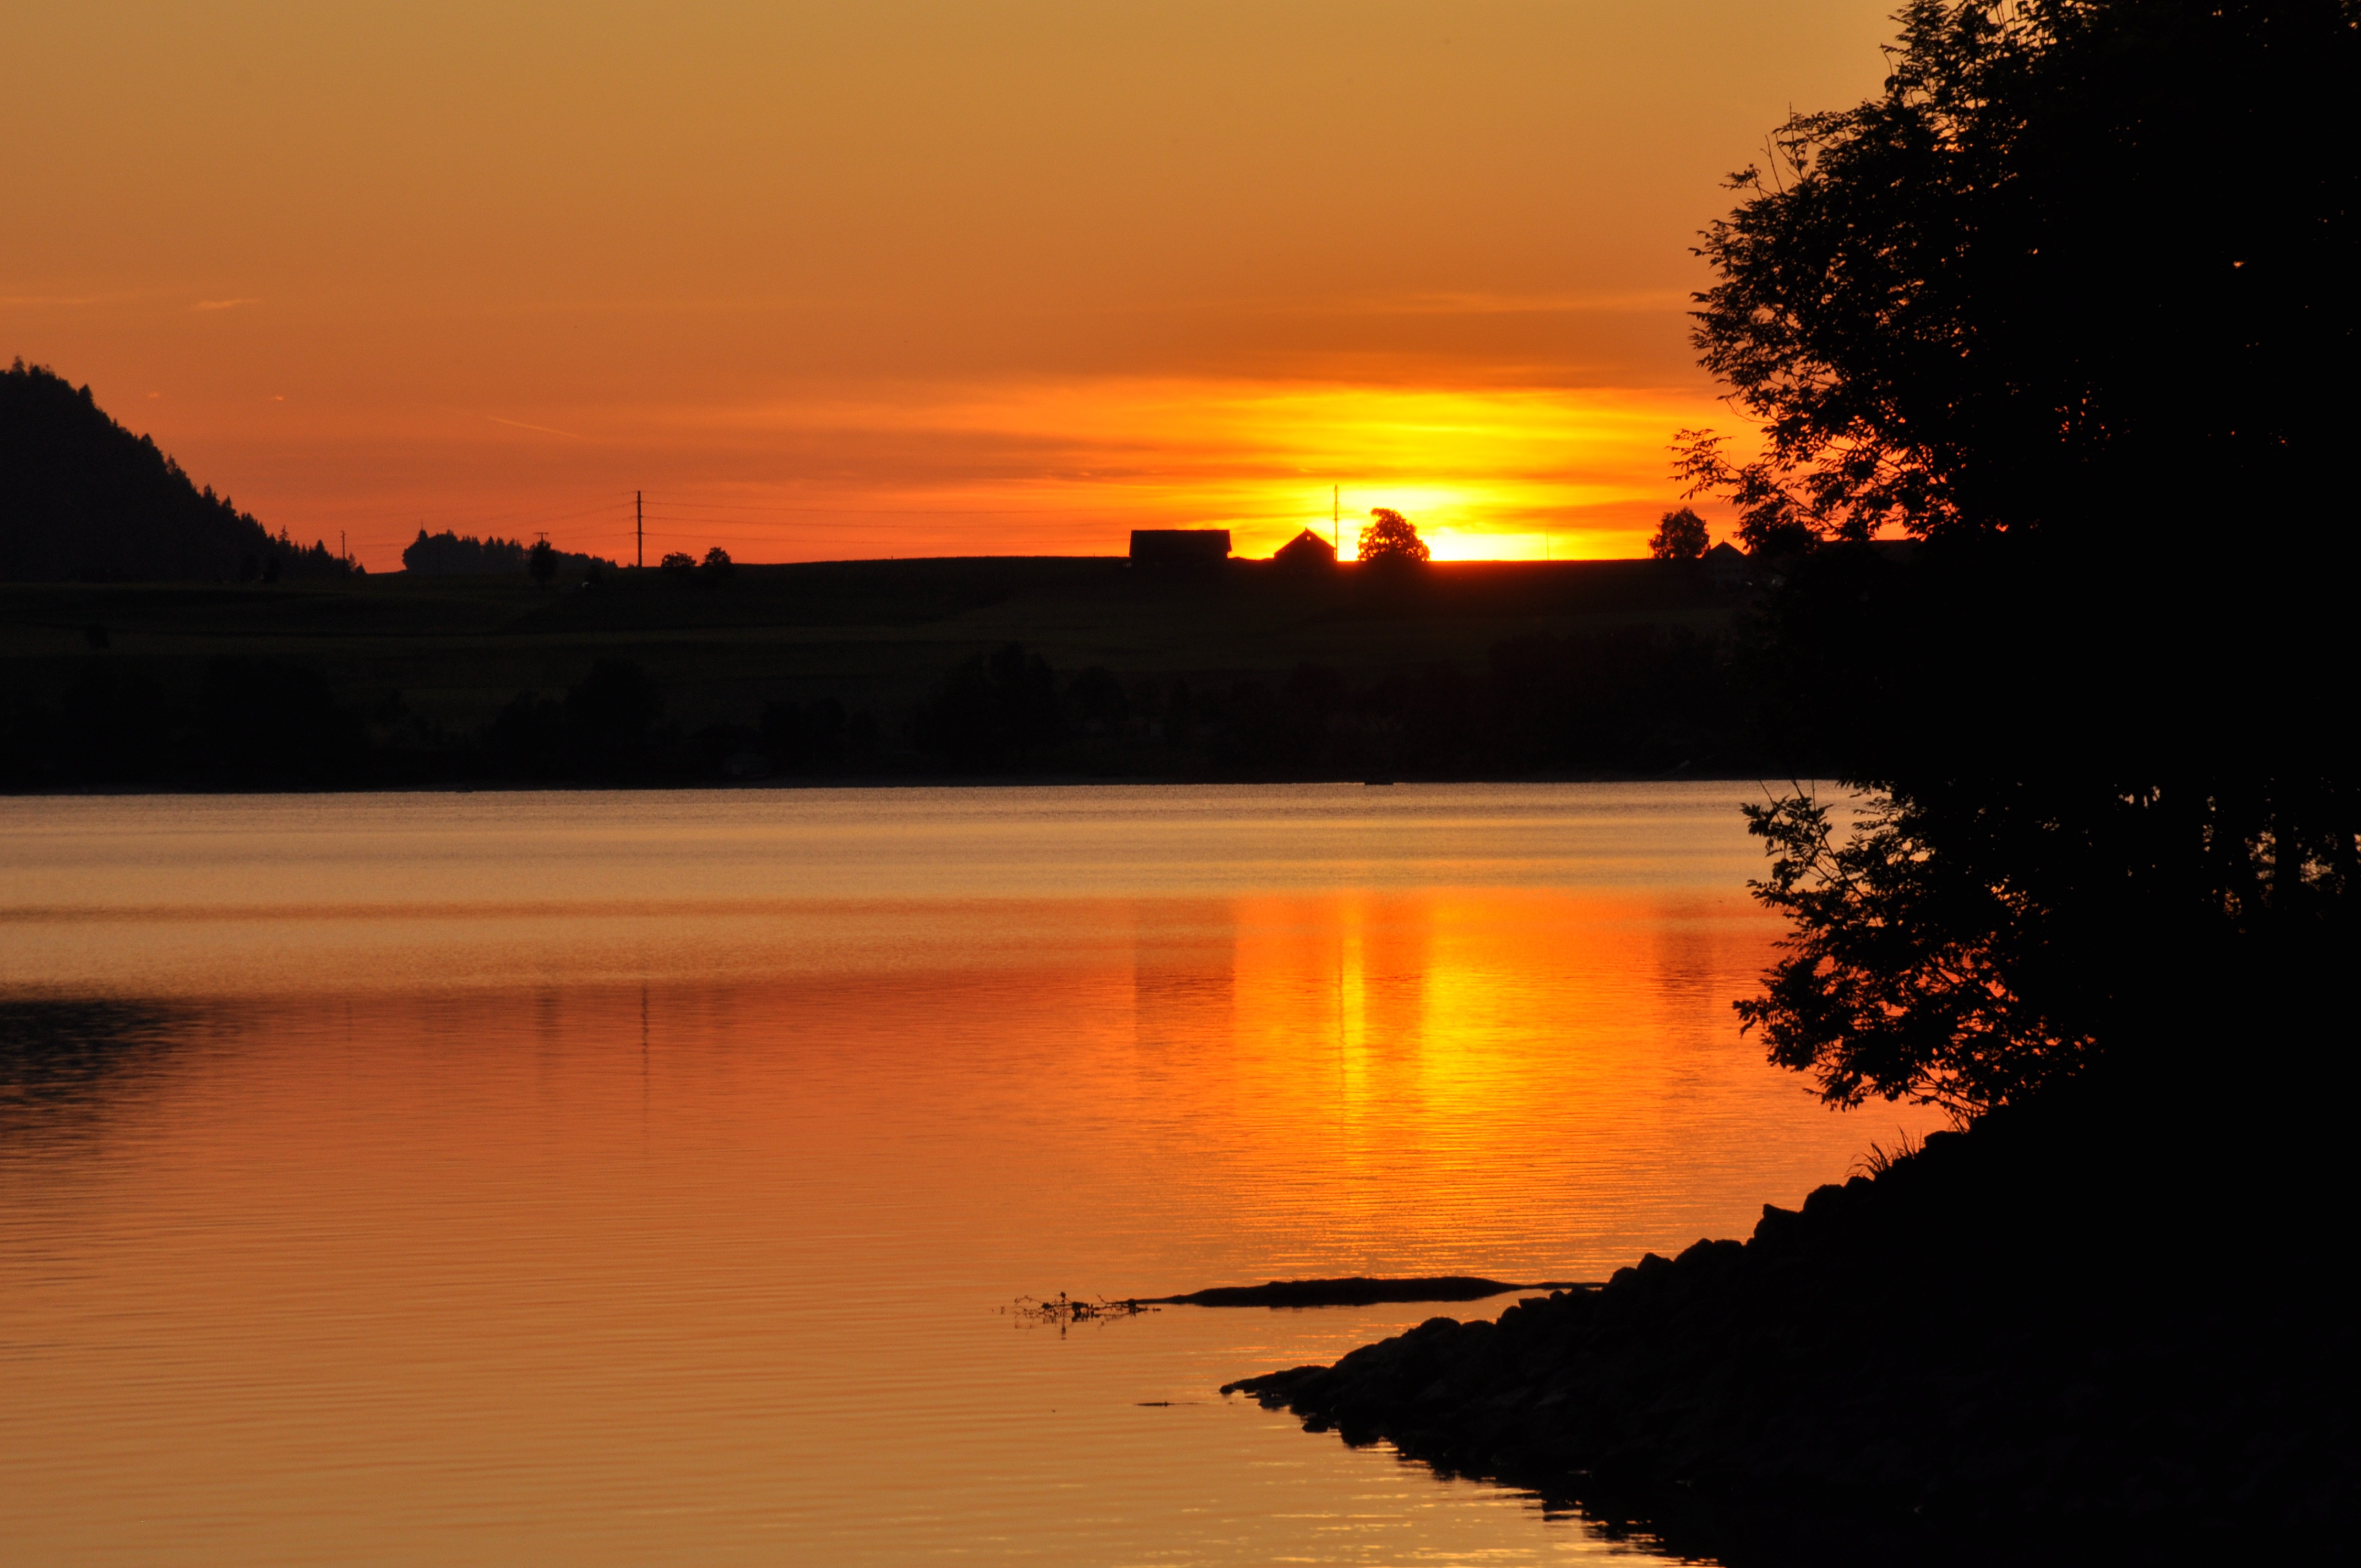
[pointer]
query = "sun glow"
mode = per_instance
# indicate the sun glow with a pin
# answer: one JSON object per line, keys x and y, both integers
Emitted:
{"x": 1061, "y": 468}
{"x": 1071, "y": 467}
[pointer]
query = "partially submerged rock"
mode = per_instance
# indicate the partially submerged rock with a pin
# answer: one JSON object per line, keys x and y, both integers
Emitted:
{"x": 1971, "y": 1347}
{"x": 1357, "y": 1291}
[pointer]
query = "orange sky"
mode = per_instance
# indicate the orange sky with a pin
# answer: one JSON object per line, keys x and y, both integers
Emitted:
{"x": 839, "y": 280}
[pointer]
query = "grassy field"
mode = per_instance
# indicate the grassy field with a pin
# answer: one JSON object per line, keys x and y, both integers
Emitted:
{"x": 876, "y": 635}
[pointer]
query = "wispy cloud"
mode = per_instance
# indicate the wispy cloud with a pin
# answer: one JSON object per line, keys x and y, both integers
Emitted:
{"x": 545, "y": 430}
{"x": 223, "y": 304}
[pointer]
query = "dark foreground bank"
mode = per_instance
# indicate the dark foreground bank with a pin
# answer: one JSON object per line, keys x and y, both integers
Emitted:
{"x": 2007, "y": 1347}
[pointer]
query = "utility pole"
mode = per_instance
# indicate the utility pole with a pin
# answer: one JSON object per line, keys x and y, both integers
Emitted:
{"x": 640, "y": 526}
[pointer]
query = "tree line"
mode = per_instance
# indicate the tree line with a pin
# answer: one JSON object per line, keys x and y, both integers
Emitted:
{"x": 450, "y": 554}
{"x": 1631, "y": 700}
{"x": 82, "y": 499}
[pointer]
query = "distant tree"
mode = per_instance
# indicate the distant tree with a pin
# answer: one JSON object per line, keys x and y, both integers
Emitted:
{"x": 796, "y": 736}
{"x": 448, "y": 553}
{"x": 267, "y": 721}
{"x": 1098, "y": 700}
{"x": 677, "y": 563}
{"x": 717, "y": 564}
{"x": 1680, "y": 536}
{"x": 1180, "y": 719}
{"x": 1389, "y": 536}
{"x": 611, "y": 711}
{"x": 991, "y": 711}
{"x": 541, "y": 562}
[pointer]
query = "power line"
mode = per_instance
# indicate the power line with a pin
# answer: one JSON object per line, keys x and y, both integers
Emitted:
{"x": 480, "y": 520}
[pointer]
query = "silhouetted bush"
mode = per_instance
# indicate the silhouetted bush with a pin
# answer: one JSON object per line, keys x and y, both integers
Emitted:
{"x": 604, "y": 728}
{"x": 804, "y": 737}
{"x": 612, "y": 713}
{"x": 1099, "y": 703}
{"x": 991, "y": 712}
{"x": 267, "y": 722}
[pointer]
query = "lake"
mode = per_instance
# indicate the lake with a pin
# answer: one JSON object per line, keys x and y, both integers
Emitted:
{"x": 643, "y": 1178}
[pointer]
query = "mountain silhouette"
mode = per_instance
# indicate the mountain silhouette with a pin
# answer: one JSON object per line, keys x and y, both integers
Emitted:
{"x": 82, "y": 499}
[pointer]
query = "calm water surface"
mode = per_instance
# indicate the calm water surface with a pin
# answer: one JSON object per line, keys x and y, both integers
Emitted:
{"x": 644, "y": 1178}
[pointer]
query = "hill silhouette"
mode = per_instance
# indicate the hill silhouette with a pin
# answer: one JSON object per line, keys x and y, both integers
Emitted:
{"x": 82, "y": 499}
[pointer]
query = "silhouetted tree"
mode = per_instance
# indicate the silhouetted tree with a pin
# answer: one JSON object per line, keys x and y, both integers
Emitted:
{"x": 1388, "y": 536}
{"x": 991, "y": 711}
{"x": 2068, "y": 303}
{"x": 1098, "y": 701}
{"x": 453, "y": 554}
{"x": 268, "y": 722}
{"x": 718, "y": 565}
{"x": 1934, "y": 306}
{"x": 1180, "y": 717}
{"x": 1680, "y": 536}
{"x": 611, "y": 713}
{"x": 677, "y": 563}
{"x": 799, "y": 736}
{"x": 448, "y": 553}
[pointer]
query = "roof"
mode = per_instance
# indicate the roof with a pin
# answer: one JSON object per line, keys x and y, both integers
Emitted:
{"x": 1307, "y": 548}
{"x": 1179, "y": 544}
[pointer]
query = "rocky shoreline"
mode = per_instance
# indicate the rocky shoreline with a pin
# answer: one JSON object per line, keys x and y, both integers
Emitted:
{"x": 1975, "y": 1355}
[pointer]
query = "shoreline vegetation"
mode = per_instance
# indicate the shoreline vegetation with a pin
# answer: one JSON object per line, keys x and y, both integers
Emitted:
{"x": 1006, "y": 669}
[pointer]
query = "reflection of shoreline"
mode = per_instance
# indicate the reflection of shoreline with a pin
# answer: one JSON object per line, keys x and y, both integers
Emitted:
{"x": 67, "y": 1051}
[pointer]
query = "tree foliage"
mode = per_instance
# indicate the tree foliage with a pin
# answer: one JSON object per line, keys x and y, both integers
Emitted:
{"x": 1680, "y": 536}
{"x": 449, "y": 554}
{"x": 2082, "y": 263}
{"x": 2067, "y": 303}
{"x": 1391, "y": 537}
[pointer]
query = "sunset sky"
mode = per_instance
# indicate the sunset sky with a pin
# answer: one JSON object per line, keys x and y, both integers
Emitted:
{"x": 895, "y": 279}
